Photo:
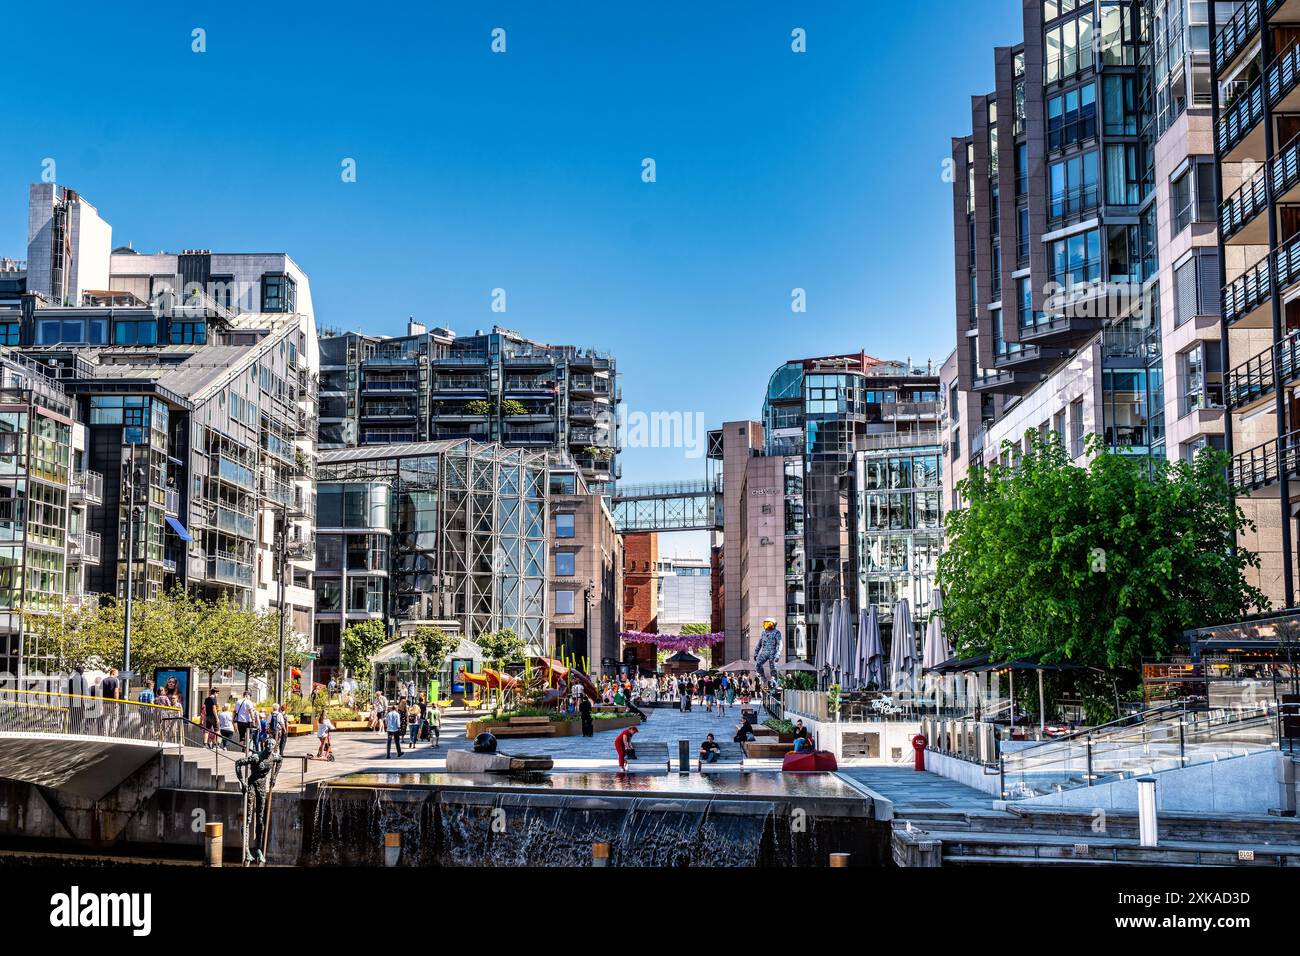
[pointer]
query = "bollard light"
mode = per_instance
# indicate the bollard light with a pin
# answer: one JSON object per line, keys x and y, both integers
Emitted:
{"x": 683, "y": 756}
{"x": 392, "y": 848}
{"x": 1148, "y": 829}
{"x": 213, "y": 843}
{"x": 600, "y": 854}
{"x": 839, "y": 859}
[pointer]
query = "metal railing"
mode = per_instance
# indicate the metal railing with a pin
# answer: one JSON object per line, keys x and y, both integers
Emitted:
{"x": 1258, "y": 466}
{"x": 1233, "y": 36}
{"x": 1248, "y": 291}
{"x": 86, "y": 715}
{"x": 1116, "y": 752}
{"x": 1243, "y": 206}
{"x": 1240, "y": 118}
{"x": 89, "y": 485}
{"x": 1253, "y": 379}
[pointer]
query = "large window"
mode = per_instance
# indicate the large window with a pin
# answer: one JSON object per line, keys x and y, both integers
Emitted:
{"x": 68, "y": 331}
{"x": 1073, "y": 185}
{"x": 279, "y": 293}
{"x": 1076, "y": 259}
{"x": 1072, "y": 117}
{"x": 564, "y": 526}
{"x": 1191, "y": 195}
{"x": 1201, "y": 378}
{"x": 1068, "y": 42}
{"x": 135, "y": 332}
{"x": 564, "y": 602}
{"x": 565, "y": 564}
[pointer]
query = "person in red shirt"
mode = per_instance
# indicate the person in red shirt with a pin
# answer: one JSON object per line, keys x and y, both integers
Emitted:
{"x": 625, "y": 748}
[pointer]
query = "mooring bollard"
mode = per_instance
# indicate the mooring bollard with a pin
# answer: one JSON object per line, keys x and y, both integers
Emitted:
{"x": 213, "y": 840}
{"x": 683, "y": 756}
{"x": 600, "y": 854}
{"x": 392, "y": 848}
{"x": 1148, "y": 828}
{"x": 839, "y": 859}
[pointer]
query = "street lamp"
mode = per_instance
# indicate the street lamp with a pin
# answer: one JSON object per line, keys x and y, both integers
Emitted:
{"x": 131, "y": 476}
{"x": 282, "y": 549}
{"x": 586, "y": 615}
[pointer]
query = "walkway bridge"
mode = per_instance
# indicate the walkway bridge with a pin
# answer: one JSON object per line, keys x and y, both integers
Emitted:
{"x": 669, "y": 506}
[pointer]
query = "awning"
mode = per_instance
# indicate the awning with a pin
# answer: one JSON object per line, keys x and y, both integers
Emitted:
{"x": 179, "y": 529}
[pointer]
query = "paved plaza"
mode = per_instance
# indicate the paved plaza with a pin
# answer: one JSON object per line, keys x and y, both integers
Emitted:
{"x": 361, "y": 751}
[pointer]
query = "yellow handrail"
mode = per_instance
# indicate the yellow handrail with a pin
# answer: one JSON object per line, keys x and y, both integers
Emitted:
{"x": 97, "y": 699}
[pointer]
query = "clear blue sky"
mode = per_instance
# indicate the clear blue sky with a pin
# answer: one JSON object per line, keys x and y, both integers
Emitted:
{"x": 522, "y": 170}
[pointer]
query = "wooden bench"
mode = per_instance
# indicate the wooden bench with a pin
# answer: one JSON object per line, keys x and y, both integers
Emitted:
{"x": 512, "y": 729}
{"x": 518, "y": 721}
{"x": 730, "y": 755}
{"x": 767, "y": 748}
{"x": 651, "y": 753}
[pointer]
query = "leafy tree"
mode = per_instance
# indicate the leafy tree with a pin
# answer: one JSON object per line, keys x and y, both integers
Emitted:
{"x": 512, "y": 406}
{"x": 430, "y": 646}
{"x": 1100, "y": 565}
{"x": 695, "y": 629}
{"x": 361, "y": 641}
{"x": 478, "y": 406}
{"x": 502, "y": 647}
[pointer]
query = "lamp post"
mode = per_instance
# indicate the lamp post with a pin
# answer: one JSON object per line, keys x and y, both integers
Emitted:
{"x": 586, "y": 617}
{"x": 130, "y": 479}
{"x": 283, "y": 551}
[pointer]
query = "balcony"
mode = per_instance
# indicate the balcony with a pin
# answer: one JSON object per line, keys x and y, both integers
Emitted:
{"x": 83, "y": 547}
{"x": 1247, "y": 299}
{"x": 88, "y": 487}
{"x": 1029, "y": 358}
{"x": 226, "y": 568}
{"x": 909, "y": 411}
{"x": 1239, "y": 216}
{"x": 1062, "y": 329}
{"x": 234, "y": 521}
{"x": 277, "y": 492}
{"x": 1283, "y": 82}
{"x": 1004, "y": 381}
{"x": 596, "y": 437}
{"x": 529, "y": 385}
{"x": 172, "y": 502}
{"x": 461, "y": 359}
{"x": 1251, "y": 382}
{"x": 462, "y": 385}
{"x": 389, "y": 410}
{"x": 1261, "y": 465}
{"x": 1235, "y": 36}
{"x": 1240, "y": 134}
{"x": 228, "y": 469}
{"x": 532, "y": 358}
{"x": 390, "y": 385}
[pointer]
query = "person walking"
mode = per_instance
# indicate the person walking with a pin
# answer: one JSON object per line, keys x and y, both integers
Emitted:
{"x": 226, "y": 726}
{"x": 584, "y": 714}
{"x": 393, "y": 724}
{"x": 413, "y": 720}
{"x": 245, "y": 713}
{"x": 210, "y": 707}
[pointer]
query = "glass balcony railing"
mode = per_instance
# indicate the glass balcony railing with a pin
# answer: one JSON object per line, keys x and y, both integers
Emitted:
{"x": 229, "y": 569}
{"x": 88, "y": 486}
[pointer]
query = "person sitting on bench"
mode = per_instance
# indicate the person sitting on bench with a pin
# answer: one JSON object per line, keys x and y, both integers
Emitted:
{"x": 709, "y": 750}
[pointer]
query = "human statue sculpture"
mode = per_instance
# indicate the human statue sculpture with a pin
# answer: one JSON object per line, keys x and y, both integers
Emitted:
{"x": 767, "y": 649}
{"x": 256, "y": 775}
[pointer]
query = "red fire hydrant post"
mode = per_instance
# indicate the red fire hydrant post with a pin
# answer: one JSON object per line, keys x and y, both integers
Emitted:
{"x": 918, "y": 745}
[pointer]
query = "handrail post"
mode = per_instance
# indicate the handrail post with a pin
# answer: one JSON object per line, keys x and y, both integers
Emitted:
{"x": 1089, "y": 746}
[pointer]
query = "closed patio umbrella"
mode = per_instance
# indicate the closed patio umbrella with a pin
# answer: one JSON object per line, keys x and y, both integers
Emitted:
{"x": 902, "y": 648}
{"x": 936, "y": 643}
{"x": 832, "y": 661}
{"x": 823, "y": 634}
{"x": 873, "y": 654}
{"x": 791, "y": 666}
{"x": 847, "y": 643}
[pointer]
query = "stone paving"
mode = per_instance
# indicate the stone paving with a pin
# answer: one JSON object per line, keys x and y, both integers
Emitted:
{"x": 363, "y": 751}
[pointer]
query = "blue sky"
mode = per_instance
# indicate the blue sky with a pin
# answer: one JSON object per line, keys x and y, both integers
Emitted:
{"x": 522, "y": 170}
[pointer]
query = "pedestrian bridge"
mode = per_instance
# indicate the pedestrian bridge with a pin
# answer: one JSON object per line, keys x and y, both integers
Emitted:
{"x": 80, "y": 744}
{"x": 669, "y": 506}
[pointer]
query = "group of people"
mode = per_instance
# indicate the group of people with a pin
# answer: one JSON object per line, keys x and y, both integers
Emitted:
{"x": 413, "y": 718}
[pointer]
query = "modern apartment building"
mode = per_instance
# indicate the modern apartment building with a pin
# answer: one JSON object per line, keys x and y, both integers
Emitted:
{"x": 190, "y": 379}
{"x": 1085, "y": 249}
{"x": 1255, "y": 95}
{"x": 497, "y": 386}
{"x": 835, "y": 494}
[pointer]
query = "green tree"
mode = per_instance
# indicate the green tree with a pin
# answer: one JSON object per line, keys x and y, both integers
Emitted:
{"x": 1100, "y": 565}
{"x": 695, "y": 628}
{"x": 478, "y": 406}
{"x": 430, "y": 646}
{"x": 502, "y": 647}
{"x": 512, "y": 406}
{"x": 361, "y": 641}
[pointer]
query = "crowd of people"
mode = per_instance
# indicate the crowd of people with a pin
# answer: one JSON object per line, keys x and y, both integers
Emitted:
{"x": 410, "y": 716}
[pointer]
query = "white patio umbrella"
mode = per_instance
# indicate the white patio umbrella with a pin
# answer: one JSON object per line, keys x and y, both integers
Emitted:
{"x": 873, "y": 652}
{"x": 859, "y": 666}
{"x": 902, "y": 648}
{"x": 847, "y": 643}
{"x": 823, "y": 635}
{"x": 834, "y": 645}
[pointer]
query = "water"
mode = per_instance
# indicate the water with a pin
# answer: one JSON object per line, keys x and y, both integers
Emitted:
{"x": 725, "y": 819}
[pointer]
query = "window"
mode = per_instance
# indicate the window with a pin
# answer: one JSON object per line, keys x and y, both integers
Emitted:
{"x": 1072, "y": 117}
{"x": 1125, "y": 174}
{"x": 1073, "y": 185}
{"x": 69, "y": 331}
{"x": 139, "y": 332}
{"x": 189, "y": 333}
{"x": 279, "y": 293}
{"x": 1068, "y": 45}
{"x": 1200, "y": 379}
{"x": 1076, "y": 259}
{"x": 1119, "y": 106}
{"x": 564, "y": 602}
{"x": 1196, "y": 286}
{"x": 565, "y": 564}
{"x": 564, "y": 526}
{"x": 1076, "y": 428}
